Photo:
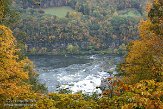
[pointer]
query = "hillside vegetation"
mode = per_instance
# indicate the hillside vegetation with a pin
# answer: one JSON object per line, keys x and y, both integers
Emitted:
{"x": 94, "y": 27}
{"x": 138, "y": 86}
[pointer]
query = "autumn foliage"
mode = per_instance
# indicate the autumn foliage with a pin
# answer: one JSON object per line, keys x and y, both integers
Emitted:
{"x": 145, "y": 57}
{"x": 139, "y": 87}
{"x": 12, "y": 74}
{"x": 147, "y": 94}
{"x": 142, "y": 68}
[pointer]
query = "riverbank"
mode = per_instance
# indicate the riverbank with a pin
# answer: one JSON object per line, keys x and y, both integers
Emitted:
{"x": 83, "y": 52}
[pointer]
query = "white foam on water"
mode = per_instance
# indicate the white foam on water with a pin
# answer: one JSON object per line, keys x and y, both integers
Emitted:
{"x": 87, "y": 85}
{"x": 93, "y": 57}
{"x": 77, "y": 77}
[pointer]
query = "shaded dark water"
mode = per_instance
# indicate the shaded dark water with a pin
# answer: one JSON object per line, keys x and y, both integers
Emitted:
{"x": 58, "y": 61}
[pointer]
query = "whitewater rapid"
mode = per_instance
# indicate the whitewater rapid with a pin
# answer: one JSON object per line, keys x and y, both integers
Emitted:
{"x": 82, "y": 77}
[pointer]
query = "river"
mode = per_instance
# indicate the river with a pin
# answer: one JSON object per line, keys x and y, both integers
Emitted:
{"x": 74, "y": 72}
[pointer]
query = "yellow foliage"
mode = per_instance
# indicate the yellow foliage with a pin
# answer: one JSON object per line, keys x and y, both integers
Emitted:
{"x": 72, "y": 101}
{"x": 12, "y": 75}
{"x": 147, "y": 94}
{"x": 145, "y": 57}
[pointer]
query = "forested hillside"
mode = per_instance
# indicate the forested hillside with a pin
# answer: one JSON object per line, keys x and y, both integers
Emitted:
{"x": 138, "y": 85}
{"x": 106, "y": 25}
{"x": 41, "y": 3}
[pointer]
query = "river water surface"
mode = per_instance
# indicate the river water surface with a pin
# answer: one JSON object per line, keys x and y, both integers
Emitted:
{"x": 75, "y": 72}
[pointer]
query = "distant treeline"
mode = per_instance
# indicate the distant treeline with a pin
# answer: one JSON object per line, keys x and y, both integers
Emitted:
{"x": 41, "y": 3}
{"x": 96, "y": 25}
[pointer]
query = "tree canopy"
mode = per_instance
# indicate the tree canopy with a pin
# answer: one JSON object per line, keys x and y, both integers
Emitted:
{"x": 13, "y": 76}
{"x": 145, "y": 57}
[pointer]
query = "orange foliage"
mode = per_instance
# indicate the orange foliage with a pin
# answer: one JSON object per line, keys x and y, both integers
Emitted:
{"x": 12, "y": 75}
{"x": 145, "y": 57}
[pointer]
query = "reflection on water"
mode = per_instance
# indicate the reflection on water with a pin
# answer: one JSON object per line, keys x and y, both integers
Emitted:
{"x": 76, "y": 73}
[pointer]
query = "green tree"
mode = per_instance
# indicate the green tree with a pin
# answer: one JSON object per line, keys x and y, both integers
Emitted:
{"x": 72, "y": 49}
{"x": 8, "y": 16}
